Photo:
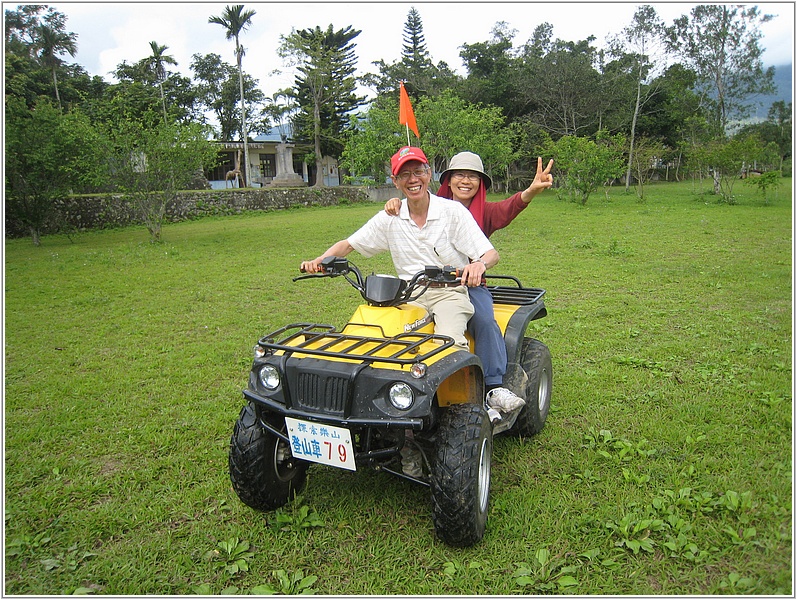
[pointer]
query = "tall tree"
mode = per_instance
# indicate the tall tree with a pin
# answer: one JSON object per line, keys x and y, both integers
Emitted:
{"x": 720, "y": 42}
{"x": 325, "y": 84}
{"x": 415, "y": 68}
{"x": 236, "y": 20}
{"x": 157, "y": 64}
{"x": 51, "y": 41}
{"x": 414, "y": 52}
{"x": 642, "y": 39}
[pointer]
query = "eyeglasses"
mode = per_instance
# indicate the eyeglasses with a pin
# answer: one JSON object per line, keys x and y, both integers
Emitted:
{"x": 468, "y": 176}
{"x": 405, "y": 175}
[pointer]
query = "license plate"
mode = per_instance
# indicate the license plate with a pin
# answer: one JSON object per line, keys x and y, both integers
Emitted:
{"x": 325, "y": 444}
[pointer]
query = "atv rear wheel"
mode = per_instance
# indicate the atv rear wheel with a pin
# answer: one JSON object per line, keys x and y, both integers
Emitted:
{"x": 535, "y": 359}
{"x": 460, "y": 478}
{"x": 263, "y": 471}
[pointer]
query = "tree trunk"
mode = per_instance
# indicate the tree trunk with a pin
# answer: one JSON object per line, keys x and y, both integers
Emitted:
{"x": 244, "y": 133}
{"x": 319, "y": 175}
{"x": 163, "y": 101}
{"x": 633, "y": 133}
{"x": 55, "y": 83}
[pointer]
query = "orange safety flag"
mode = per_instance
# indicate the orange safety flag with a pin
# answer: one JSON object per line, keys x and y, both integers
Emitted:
{"x": 406, "y": 116}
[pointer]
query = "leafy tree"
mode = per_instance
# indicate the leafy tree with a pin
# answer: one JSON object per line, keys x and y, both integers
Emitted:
{"x": 47, "y": 154}
{"x": 236, "y": 20}
{"x": 780, "y": 115}
{"x": 20, "y": 27}
{"x": 586, "y": 164}
{"x": 494, "y": 73}
{"x": 530, "y": 140}
{"x": 720, "y": 42}
{"x": 217, "y": 90}
{"x": 649, "y": 155}
{"x": 726, "y": 160}
{"x": 769, "y": 180}
{"x": 775, "y": 132}
{"x": 139, "y": 91}
{"x": 35, "y": 37}
{"x": 676, "y": 115}
{"x": 325, "y": 85}
{"x": 451, "y": 125}
{"x": 372, "y": 139}
{"x": 157, "y": 65}
{"x": 150, "y": 160}
{"x": 569, "y": 102}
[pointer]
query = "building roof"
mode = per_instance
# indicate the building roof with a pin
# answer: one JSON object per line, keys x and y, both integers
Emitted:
{"x": 275, "y": 134}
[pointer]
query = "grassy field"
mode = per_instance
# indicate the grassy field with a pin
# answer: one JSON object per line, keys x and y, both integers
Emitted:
{"x": 665, "y": 466}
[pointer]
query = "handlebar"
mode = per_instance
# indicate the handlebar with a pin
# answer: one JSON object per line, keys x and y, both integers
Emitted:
{"x": 385, "y": 290}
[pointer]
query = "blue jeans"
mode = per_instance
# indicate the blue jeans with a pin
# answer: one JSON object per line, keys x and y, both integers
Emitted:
{"x": 487, "y": 336}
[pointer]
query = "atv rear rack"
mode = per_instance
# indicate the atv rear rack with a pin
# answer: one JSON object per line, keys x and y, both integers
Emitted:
{"x": 519, "y": 295}
{"x": 323, "y": 340}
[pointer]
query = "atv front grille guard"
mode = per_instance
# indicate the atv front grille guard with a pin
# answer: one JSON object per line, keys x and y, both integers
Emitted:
{"x": 324, "y": 340}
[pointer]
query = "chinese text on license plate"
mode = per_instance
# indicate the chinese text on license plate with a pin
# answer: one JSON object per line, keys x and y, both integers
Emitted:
{"x": 319, "y": 443}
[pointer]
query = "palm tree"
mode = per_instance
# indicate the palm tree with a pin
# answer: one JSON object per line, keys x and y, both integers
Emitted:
{"x": 50, "y": 42}
{"x": 235, "y": 20}
{"x": 156, "y": 63}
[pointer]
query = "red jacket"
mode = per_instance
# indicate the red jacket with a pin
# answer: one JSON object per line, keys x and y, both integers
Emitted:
{"x": 491, "y": 216}
{"x": 498, "y": 215}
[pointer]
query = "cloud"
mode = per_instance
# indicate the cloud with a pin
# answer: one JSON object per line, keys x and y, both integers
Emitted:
{"x": 110, "y": 33}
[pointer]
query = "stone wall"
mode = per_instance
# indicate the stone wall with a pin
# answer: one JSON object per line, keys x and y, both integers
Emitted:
{"x": 109, "y": 210}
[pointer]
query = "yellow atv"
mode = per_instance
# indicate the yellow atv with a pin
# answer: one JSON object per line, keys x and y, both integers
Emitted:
{"x": 383, "y": 384}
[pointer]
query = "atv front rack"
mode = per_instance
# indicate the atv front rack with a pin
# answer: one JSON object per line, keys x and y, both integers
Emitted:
{"x": 323, "y": 340}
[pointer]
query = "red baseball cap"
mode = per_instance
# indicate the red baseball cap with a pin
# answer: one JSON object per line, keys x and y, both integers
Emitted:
{"x": 406, "y": 154}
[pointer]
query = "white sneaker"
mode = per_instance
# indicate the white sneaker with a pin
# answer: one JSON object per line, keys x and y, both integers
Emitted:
{"x": 503, "y": 399}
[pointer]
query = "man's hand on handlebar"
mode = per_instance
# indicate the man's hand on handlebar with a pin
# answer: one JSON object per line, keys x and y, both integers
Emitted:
{"x": 311, "y": 266}
{"x": 473, "y": 273}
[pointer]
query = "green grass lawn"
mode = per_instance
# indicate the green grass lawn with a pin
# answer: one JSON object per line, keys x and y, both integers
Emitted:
{"x": 665, "y": 466}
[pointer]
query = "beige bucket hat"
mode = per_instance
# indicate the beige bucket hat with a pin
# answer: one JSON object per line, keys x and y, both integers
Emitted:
{"x": 467, "y": 161}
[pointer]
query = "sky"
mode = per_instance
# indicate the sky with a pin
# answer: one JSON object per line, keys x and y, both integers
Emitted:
{"x": 112, "y": 32}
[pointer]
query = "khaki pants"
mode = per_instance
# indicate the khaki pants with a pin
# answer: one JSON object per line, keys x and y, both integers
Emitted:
{"x": 451, "y": 310}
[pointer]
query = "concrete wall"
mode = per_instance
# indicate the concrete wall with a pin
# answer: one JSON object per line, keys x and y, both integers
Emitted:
{"x": 105, "y": 211}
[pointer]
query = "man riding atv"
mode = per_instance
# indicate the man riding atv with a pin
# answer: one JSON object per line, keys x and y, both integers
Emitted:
{"x": 391, "y": 380}
{"x": 432, "y": 231}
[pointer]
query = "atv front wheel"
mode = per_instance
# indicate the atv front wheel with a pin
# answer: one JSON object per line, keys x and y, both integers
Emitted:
{"x": 460, "y": 478}
{"x": 535, "y": 359}
{"x": 263, "y": 471}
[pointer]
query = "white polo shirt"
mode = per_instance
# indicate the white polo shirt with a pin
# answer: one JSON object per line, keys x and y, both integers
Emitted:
{"x": 450, "y": 236}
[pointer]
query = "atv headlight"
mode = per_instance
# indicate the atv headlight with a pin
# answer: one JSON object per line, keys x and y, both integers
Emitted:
{"x": 401, "y": 396}
{"x": 269, "y": 377}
